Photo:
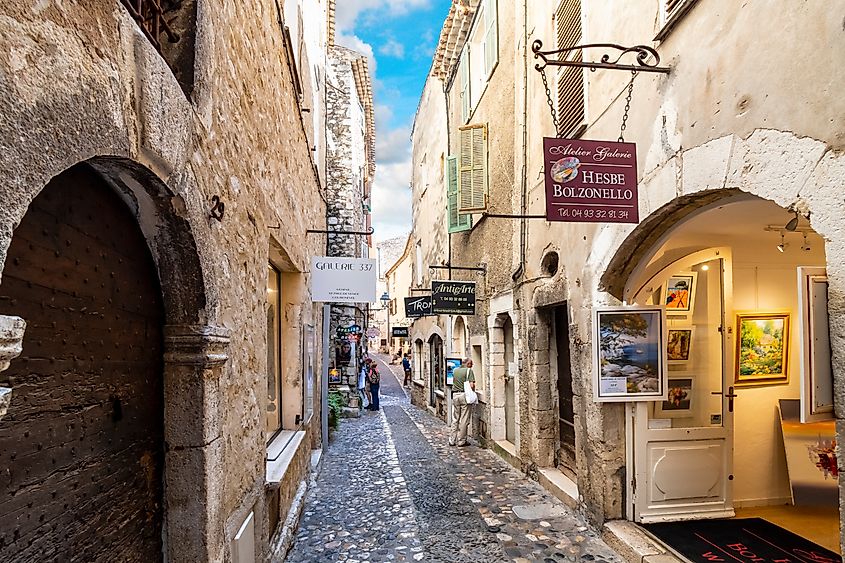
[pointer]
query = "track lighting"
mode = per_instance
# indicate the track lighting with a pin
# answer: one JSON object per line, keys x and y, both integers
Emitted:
{"x": 806, "y": 245}
{"x": 793, "y": 223}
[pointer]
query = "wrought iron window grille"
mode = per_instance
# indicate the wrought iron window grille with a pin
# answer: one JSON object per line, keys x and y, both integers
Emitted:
{"x": 149, "y": 15}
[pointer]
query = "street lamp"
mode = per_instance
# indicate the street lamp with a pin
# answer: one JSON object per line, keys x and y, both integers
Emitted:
{"x": 385, "y": 303}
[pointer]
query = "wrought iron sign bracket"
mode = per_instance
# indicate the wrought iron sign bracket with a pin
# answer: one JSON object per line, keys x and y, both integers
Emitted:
{"x": 509, "y": 216}
{"x": 360, "y": 233}
{"x": 647, "y": 59}
{"x": 481, "y": 269}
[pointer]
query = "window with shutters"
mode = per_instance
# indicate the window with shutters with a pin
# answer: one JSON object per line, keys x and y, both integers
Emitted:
{"x": 472, "y": 169}
{"x": 479, "y": 57}
{"x": 671, "y": 12}
{"x": 457, "y": 221}
{"x": 570, "y": 81}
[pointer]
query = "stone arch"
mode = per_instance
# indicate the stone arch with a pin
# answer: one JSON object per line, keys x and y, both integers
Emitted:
{"x": 193, "y": 359}
{"x": 460, "y": 337}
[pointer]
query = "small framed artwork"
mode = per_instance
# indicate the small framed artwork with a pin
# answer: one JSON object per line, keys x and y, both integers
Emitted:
{"x": 451, "y": 365}
{"x": 629, "y": 354}
{"x": 678, "y": 345}
{"x": 762, "y": 349}
{"x": 678, "y": 403}
{"x": 679, "y": 293}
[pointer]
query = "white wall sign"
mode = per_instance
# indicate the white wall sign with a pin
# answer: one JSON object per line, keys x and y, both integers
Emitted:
{"x": 343, "y": 280}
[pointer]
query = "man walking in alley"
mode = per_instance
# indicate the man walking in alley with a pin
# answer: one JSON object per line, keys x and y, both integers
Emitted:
{"x": 461, "y": 410}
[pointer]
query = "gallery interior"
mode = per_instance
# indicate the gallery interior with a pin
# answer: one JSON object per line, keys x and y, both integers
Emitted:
{"x": 744, "y": 284}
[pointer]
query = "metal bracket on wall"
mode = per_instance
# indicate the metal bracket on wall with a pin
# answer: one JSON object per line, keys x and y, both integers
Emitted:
{"x": 360, "y": 233}
{"x": 482, "y": 269}
{"x": 647, "y": 58}
{"x": 509, "y": 216}
{"x": 421, "y": 289}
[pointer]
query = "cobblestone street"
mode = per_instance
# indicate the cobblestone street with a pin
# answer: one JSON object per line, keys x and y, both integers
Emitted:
{"x": 391, "y": 489}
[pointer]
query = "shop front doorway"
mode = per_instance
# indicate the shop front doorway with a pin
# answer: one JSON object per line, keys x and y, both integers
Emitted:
{"x": 510, "y": 383}
{"x": 747, "y": 338}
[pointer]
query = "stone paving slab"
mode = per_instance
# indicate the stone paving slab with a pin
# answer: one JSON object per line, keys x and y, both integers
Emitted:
{"x": 392, "y": 489}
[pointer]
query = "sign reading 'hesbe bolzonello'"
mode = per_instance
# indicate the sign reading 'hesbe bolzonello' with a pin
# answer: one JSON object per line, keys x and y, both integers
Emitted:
{"x": 591, "y": 181}
{"x": 452, "y": 298}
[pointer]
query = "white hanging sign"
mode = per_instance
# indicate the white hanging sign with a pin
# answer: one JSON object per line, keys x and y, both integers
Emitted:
{"x": 343, "y": 280}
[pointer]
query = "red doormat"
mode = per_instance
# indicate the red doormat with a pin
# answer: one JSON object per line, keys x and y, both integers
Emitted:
{"x": 742, "y": 539}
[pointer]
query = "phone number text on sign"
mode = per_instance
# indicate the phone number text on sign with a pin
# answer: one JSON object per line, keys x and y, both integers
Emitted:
{"x": 590, "y": 181}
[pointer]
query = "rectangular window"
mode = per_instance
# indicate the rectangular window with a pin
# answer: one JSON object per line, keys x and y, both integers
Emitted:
{"x": 472, "y": 169}
{"x": 273, "y": 418}
{"x": 457, "y": 221}
{"x": 308, "y": 347}
{"x": 570, "y": 82}
{"x": 671, "y": 11}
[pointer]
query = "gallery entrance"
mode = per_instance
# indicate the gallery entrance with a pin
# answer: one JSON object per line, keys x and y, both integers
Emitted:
{"x": 746, "y": 429}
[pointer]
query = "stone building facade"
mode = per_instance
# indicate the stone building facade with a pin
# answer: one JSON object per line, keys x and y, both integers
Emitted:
{"x": 709, "y": 137}
{"x": 350, "y": 166}
{"x": 151, "y": 202}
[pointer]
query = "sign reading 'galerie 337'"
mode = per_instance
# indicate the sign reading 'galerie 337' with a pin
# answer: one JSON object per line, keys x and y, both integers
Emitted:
{"x": 591, "y": 181}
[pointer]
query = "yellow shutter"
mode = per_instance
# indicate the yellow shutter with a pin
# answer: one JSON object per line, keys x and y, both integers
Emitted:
{"x": 570, "y": 83}
{"x": 472, "y": 165}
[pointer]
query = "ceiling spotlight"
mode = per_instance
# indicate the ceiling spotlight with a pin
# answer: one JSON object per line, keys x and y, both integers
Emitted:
{"x": 793, "y": 223}
{"x": 705, "y": 267}
{"x": 782, "y": 245}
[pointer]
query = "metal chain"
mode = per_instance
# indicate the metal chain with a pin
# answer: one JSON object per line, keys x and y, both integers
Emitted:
{"x": 551, "y": 102}
{"x": 627, "y": 107}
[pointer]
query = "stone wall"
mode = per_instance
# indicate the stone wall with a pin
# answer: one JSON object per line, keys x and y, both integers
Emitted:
{"x": 81, "y": 83}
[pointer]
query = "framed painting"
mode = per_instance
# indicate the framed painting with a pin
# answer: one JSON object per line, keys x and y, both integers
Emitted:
{"x": 629, "y": 354}
{"x": 679, "y": 402}
{"x": 762, "y": 349}
{"x": 679, "y": 293}
{"x": 678, "y": 345}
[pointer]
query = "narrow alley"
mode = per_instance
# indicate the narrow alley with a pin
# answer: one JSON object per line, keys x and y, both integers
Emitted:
{"x": 391, "y": 489}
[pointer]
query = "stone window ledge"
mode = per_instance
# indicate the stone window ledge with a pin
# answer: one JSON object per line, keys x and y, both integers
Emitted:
{"x": 280, "y": 453}
{"x": 440, "y": 393}
{"x": 482, "y": 397}
{"x": 418, "y": 382}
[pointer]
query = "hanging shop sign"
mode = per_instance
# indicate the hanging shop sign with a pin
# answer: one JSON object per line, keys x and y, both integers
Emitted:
{"x": 399, "y": 332}
{"x": 452, "y": 298}
{"x": 343, "y": 280}
{"x": 629, "y": 354}
{"x": 372, "y": 332}
{"x": 591, "y": 181}
{"x": 416, "y": 307}
{"x": 347, "y": 330}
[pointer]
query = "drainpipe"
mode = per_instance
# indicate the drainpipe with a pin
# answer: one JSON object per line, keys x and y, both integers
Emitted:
{"x": 448, "y": 151}
{"x": 523, "y": 204}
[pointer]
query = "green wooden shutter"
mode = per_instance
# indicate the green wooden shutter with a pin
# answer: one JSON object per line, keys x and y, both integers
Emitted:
{"x": 472, "y": 169}
{"x": 465, "y": 84}
{"x": 457, "y": 221}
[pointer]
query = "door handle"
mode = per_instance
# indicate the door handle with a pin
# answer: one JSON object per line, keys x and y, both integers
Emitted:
{"x": 730, "y": 396}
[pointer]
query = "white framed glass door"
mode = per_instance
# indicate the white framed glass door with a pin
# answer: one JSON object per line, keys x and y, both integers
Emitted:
{"x": 680, "y": 451}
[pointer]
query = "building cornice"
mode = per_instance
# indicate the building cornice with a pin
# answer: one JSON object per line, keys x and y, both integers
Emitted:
{"x": 453, "y": 36}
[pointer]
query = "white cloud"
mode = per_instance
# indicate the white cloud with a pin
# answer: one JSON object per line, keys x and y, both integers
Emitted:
{"x": 391, "y": 199}
{"x": 393, "y": 146}
{"x": 347, "y": 11}
{"x": 392, "y": 48}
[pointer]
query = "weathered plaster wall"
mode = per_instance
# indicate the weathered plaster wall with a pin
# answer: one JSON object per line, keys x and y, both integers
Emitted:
{"x": 80, "y": 82}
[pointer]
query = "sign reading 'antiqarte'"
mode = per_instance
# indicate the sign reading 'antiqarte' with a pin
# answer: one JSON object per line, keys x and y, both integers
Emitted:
{"x": 591, "y": 181}
{"x": 452, "y": 298}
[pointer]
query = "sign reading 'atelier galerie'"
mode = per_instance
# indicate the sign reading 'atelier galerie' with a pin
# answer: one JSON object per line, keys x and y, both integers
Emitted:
{"x": 452, "y": 298}
{"x": 591, "y": 181}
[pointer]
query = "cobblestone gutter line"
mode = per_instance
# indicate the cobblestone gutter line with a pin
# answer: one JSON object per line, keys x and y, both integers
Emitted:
{"x": 451, "y": 529}
{"x": 360, "y": 508}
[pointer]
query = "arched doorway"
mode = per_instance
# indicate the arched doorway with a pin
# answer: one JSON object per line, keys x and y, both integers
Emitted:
{"x": 83, "y": 438}
{"x": 437, "y": 376}
{"x": 733, "y": 277}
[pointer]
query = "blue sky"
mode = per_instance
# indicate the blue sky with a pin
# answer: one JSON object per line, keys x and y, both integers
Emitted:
{"x": 399, "y": 37}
